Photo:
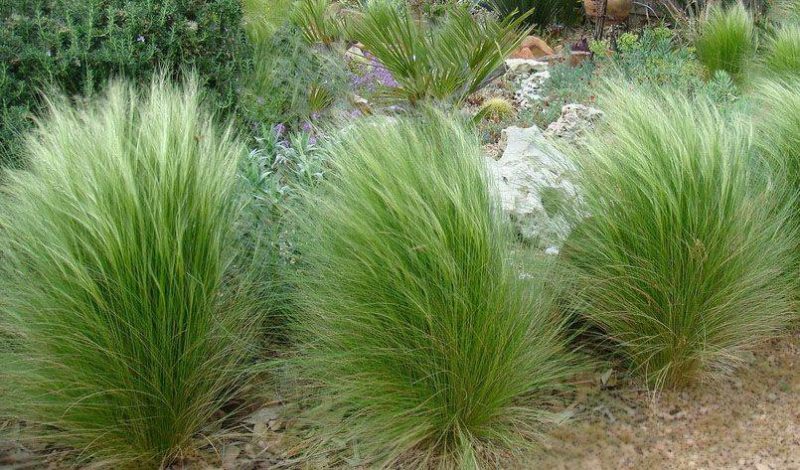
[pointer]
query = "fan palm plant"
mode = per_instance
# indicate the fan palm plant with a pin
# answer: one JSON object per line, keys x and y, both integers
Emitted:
{"x": 444, "y": 62}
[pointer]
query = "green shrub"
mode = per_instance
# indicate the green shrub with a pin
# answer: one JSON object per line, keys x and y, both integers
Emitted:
{"x": 782, "y": 57}
{"x": 262, "y": 18}
{"x": 420, "y": 341}
{"x": 684, "y": 258}
{"x": 290, "y": 80}
{"x": 726, "y": 39}
{"x": 542, "y": 13}
{"x": 79, "y": 44}
{"x": 653, "y": 59}
{"x": 495, "y": 109}
{"x": 128, "y": 332}
{"x": 445, "y": 62}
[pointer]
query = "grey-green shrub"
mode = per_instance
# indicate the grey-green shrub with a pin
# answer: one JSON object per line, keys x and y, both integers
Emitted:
{"x": 782, "y": 57}
{"x": 128, "y": 333}
{"x": 418, "y": 338}
{"x": 726, "y": 39}
{"x": 685, "y": 254}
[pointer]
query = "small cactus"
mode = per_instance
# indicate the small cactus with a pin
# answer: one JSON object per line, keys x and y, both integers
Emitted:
{"x": 495, "y": 109}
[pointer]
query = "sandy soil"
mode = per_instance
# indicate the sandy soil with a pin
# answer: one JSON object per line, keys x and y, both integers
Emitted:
{"x": 749, "y": 420}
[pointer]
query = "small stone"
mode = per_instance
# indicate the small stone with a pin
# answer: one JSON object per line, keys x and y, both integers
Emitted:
{"x": 537, "y": 46}
{"x": 522, "y": 53}
{"x": 264, "y": 415}
{"x": 259, "y": 429}
{"x": 229, "y": 455}
{"x": 575, "y": 122}
{"x": 523, "y": 67}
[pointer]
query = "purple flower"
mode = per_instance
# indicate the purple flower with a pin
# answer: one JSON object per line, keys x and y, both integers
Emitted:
{"x": 279, "y": 129}
{"x": 372, "y": 75}
{"x": 306, "y": 127}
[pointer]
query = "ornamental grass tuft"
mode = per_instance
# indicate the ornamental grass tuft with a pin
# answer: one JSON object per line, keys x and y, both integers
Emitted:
{"x": 685, "y": 260}
{"x": 421, "y": 341}
{"x": 726, "y": 39}
{"x": 126, "y": 333}
{"x": 782, "y": 57}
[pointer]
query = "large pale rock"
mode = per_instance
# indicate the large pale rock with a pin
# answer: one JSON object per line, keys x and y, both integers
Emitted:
{"x": 575, "y": 121}
{"x": 521, "y": 68}
{"x": 529, "y": 89}
{"x": 536, "y": 191}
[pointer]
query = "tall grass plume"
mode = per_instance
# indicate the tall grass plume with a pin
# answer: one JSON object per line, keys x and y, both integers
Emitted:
{"x": 125, "y": 336}
{"x": 421, "y": 341}
{"x": 686, "y": 255}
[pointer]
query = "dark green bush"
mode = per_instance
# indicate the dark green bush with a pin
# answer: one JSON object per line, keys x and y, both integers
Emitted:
{"x": 544, "y": 12}
{"x": 79, "y": 44}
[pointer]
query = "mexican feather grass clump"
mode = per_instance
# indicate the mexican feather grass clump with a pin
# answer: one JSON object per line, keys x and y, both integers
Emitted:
{"x": 726, "y": 39}
{"x": 782, "y": 58}
{"x": 420, "y": 342}
{"x": 684, "y": 259}
{"x": 779, "y": 133}
{"x": 123, "y": 337}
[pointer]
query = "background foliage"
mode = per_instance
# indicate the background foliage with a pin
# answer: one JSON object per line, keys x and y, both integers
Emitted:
{"x": 77, "y": 45}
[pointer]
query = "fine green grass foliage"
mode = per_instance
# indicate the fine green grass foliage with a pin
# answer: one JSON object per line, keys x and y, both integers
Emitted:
{"x": 779, "y": 132}
{"x": 782, "y": 57}
{"x": 684, "y": 258}
{"x": 126, "y": 334}
{"x": 726, "y": 39}
{"x": 420, "y": 341}
{"x": 290, "y": 80}
{"x": 785, "y": 12}
{"x": 444, "y": 62}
